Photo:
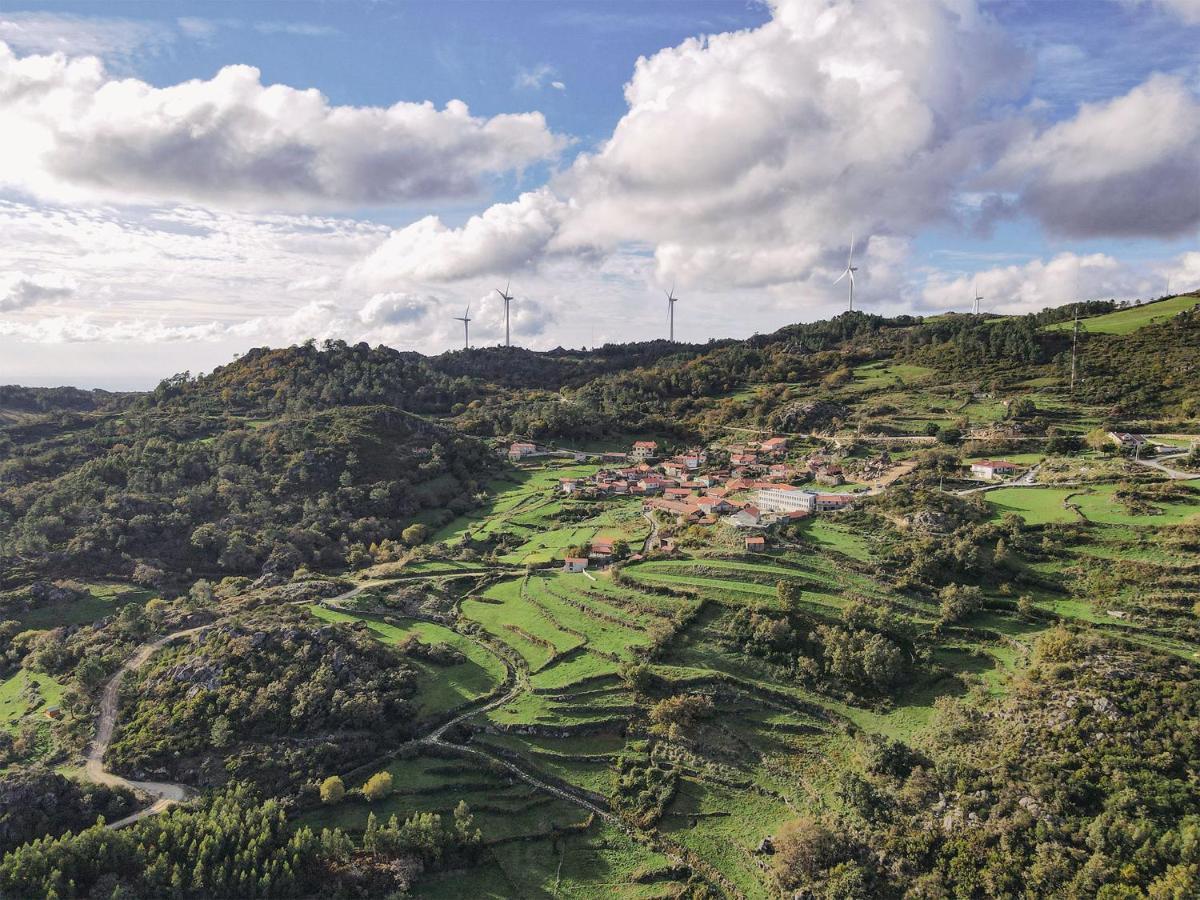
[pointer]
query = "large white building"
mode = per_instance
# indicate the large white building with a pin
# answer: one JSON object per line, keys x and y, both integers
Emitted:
{"x": 788, "y": 498}
{"x": 784, "y": 498}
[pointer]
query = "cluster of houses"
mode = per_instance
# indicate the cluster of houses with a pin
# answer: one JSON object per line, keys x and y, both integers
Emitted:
{"x": 686, "y": 488}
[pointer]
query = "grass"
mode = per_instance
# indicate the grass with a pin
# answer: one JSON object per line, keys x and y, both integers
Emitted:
{"x": 104, "y": 599}
{"x": 440, "y": 687}
{"x": 514, "y": 620}
{"x": 1127, "y": 321}
{"x": 1099, "y": 505}
{"x": 1037, "y": 506}
{"x": 822, "y": 531}
{"x": 14, "y": 691}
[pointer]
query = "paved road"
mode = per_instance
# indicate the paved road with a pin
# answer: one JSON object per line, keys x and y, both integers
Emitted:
{"x": 1160, "y": 465}
{"x": 1025, "y": 479}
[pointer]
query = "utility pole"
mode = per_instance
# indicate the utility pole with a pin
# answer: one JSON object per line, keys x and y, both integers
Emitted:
{"x": 1074, "y": 348}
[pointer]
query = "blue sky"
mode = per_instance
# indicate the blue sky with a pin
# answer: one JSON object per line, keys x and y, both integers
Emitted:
{"x": 167, "y": 207}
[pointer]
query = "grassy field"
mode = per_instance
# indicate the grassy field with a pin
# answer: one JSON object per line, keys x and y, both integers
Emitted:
{"x": 1126, "y": 321}
{"x": 17, "y": 691}
{"x": 1037, "y": 506}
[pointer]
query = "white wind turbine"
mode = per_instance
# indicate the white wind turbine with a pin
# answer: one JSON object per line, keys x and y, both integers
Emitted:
{"x": 975, "y": 306}
{"x": 849, "y": 270}
{"x": 507, "y": 297}
{"x": 465, "y": 318}
{"x": 671, "y": 301}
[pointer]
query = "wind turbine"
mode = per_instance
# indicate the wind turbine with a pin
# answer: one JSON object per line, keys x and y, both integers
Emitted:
{"x": 671, "y": 301}
{"x": 850, "y": 269}
{"x": 975, "y": 308}
{"x": 465, "y": 318}
{"x": 507, "y": 297}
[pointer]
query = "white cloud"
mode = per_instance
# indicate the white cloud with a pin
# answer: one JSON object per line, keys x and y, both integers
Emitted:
{"x": 537, "y": 77}
{"x": 504, "y": 238}
{"x": 396, "y": 308}
{"x": 1126, "y": 167}
{"x": 73, "y": 132}
{"x": 19, "y": 291}
{"x": 1064, "y": 278}
{"x": 1188, "y": 11}
{"x": 45, "y": 32}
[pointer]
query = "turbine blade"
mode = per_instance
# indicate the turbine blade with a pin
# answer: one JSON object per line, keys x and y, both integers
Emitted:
{"x": 851, "y": 257}
{"x": 845, "y": 272}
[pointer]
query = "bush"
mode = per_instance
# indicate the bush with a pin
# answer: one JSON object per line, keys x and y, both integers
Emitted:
{"x": 414, "y": 534}
{"x": 378, "y": 787}
{"x": 332, "y": 790}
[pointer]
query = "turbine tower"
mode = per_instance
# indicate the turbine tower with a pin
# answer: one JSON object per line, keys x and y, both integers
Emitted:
{"x": 507, "y": 297}
{"x": 671, "y": 301}
{"x": 850, "y": 269}
{"x": 975, "y": 308}
{"x": 465, "y": 318}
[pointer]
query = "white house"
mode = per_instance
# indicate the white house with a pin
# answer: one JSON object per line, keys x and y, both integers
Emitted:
{"x": 575, "y": 564}
{"x": 1127, "y": 441}
{"x": 994, "y": 468}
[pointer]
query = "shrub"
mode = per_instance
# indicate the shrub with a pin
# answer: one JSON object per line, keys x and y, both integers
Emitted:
{"x": 333, "y": 790}
{"x": 378, "y": 787}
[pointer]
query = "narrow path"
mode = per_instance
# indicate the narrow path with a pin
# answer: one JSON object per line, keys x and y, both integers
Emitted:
{"x": 651, "y": 542}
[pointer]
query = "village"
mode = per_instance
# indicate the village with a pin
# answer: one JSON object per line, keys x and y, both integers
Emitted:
{"x": 752, "y": 487}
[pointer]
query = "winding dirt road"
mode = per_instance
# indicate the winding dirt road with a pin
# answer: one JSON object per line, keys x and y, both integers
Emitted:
{"x": 164, "y": 792}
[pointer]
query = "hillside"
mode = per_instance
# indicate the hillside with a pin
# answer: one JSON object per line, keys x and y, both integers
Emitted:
{"x": 884, "y": 611}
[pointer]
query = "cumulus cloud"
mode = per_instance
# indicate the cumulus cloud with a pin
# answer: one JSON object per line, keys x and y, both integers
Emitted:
{"x": 750, "y": 157}
{"x": 507, "y": 236}
{"x": 396, "y": 308}
{"x": 1037, "y": 284}
{"x": 20, "y": 292}
{"x": 1126, "y": 167}
{"x": 74, "y": 132}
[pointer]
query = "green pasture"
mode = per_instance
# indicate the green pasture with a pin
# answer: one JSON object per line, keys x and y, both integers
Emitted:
{"x": 15, "y": 694}
{"x": 1036, "y": 505}
{"x": 1127, "y": 321}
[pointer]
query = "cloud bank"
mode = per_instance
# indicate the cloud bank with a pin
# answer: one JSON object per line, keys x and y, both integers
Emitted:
{"x": 73, "y": 132}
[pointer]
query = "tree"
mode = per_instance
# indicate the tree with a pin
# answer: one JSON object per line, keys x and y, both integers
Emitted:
{"x": 332, "y": 790}
{"x": 959, "y": 601}
{"x": 789, "y": 594}
{"x": 378, "y": 787}
{"x": 414, "y": 535}
{"x": 805, "y": 849}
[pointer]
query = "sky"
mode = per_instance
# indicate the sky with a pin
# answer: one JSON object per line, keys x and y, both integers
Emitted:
{"x": 182, "y": 182}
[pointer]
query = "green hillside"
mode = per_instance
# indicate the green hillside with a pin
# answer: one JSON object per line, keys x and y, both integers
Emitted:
{"x": 1129, "y": 320}
{"x": 365, "y": 670}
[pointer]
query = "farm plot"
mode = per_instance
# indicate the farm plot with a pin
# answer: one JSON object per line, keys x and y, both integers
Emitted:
{"x": 727, "y": 581}
{"x": 508, "y": 615}
{"x": 26, "y": 694}
{"x": 1099, "y": 504}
